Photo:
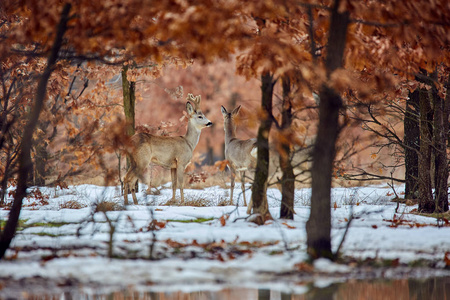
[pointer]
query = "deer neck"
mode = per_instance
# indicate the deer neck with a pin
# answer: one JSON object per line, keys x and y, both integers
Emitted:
{"x": 230, "y": 132}
{"x": 192, "y": 135}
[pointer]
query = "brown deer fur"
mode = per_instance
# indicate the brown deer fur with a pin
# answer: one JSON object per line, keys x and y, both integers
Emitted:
{"x": 170, "y": 152}
{"x": 241, "y": 154}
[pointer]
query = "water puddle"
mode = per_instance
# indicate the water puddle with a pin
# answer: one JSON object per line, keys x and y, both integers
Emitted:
{"x": 40, "y": 288}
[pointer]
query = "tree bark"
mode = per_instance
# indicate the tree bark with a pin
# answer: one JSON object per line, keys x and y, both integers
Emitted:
{"x": 288, "y": 178}
{"x": 40, "y": 163}
{"x": 318, "y": 227}
{"x": 426, "y": 203}
{"x": 440, "y": 136}
{"x": 24, "y": 158}
{"x": 259, "y": 187}
{"x": 412, "y": 145}
{"x": 129, "y": 103}
{"x": 444, "y": 205}
{"x": 209, "y": 160}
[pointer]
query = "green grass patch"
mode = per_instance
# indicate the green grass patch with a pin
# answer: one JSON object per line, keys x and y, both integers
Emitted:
{"x": 20, "y": 226}
{"x": 48, "y": 234}
{"x": 198, "y": 220}
{"x": 23, "y": 224}
{"x": 49, "y": 224}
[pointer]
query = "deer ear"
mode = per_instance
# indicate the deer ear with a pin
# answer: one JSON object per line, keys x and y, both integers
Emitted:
{"x": 190, "y": 109}
{"x": 236, "y": 110}
{"x": 224, "y": 111}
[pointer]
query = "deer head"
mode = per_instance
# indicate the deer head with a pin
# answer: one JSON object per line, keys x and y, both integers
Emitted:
{"x": 228, "y": 118}
{"x": 195, "y": 114}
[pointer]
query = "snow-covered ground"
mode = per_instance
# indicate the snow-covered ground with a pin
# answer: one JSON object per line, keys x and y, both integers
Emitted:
{"x": 200, "y": 247}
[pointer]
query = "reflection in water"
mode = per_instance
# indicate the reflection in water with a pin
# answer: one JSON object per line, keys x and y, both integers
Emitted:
{"x": 427, "y": 289}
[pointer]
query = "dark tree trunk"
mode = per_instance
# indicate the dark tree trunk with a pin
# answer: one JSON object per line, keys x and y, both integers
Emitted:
{"x": 412, "y": 145}
{"x": 40, "y": 163}
{"x": 24, "y": 158}
{"x": 444, "y": 204}
{"x": 288, "y": 178}
{"x": 209, "y": 160}
{"x": 318, "y": 227}
{"x": 426, "y": 203}
{"x": 440, "y": 136}
{"x": 259, "y": 187}
{"x": 129, "y": 103}
{"x": 9, "y": 164}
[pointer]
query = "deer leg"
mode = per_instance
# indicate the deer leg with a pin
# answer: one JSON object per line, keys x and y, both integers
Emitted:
{"x": 180, "y": 178}
{"x": 127, "y": 190}
{"x": 125, "y": 193}
{"x": 133, "y": 194}
{"x": 243, "y": 185}
{"x": 133, "y": 183}
{"x": 173, "y": 173}
{"x": 233, "y": 176}
{"x": 130, "y": 178}
{"x": 138, "y": 171}
{"x": 249, "y": 207}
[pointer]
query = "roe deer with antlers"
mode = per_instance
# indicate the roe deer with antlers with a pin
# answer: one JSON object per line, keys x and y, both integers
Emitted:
{"x": 241, "y": 154}
{"x": 170, "y": 152}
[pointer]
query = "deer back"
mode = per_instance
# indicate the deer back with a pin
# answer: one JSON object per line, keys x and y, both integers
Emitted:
{"x": 237, "y": 152}
{"x": 171, "y": 151}
{"x": 241, "y": 153}
{"x": 165, "y": 151}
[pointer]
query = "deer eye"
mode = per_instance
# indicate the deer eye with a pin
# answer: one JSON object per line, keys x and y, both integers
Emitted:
{"x": 200, "y": 117}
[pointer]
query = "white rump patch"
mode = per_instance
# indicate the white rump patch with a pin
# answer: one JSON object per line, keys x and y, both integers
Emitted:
{"x": 254, "y": 152}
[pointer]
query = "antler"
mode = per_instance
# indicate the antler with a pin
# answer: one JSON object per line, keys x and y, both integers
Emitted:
{"x": 195, "y": 100}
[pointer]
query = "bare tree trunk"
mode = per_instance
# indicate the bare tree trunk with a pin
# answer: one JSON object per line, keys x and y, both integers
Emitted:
{"x": 209, "y": 160}
{"x": 440, "y": 136}
{"x": 9, "y": 165}
{"x": 412, "y": 145}
{"x": 259, "y": 187}
{"x": 318, "y": 227}
{"x": 444, "y": 206}
{"x": 288, "y": 178}
{"x": 426, "y": 203}
{"x": 24, "y": 158}
{"x": 129, "y": 103}
{"x": 40, "y": 163}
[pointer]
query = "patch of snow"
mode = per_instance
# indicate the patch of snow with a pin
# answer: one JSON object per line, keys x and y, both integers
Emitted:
{"x": 75, "y": 241}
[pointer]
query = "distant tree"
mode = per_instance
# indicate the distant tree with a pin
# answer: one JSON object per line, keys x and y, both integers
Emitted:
{"x": 129, "y": 104}
{"x": 412, "y": 144}
{"x": 288, "y": 176}
{"x": 259, "y": 187}
{"x": 426, "y": 135}
{"x": 440, "y": 140}
{"x": 434, "y": 118}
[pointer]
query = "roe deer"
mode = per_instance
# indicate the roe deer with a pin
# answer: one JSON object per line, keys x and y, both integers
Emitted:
{"x": 170, "y": 152}
{"x": 241, "y": 154}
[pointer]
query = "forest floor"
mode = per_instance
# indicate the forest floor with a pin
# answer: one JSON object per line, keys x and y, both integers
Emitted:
{"x": 83, "y": 237}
